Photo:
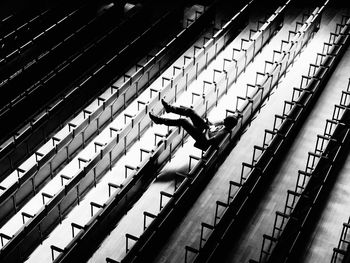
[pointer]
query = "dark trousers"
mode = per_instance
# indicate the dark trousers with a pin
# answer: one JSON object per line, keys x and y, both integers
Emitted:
{"x": 194, "y": 128}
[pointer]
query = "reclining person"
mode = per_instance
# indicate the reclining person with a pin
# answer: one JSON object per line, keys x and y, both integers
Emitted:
{"x": 204, "y": 132}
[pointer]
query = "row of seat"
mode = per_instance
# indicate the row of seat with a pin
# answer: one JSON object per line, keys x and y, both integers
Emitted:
{"x": 6, "y": 22}
{"x": 89, "y": 122}
{"x": 15, "y": 43}
{"x": 10, "y": 23}
{"x": 78, "y": 227}
{"x": 136, "y": 177}
{"x": 303, "y": 178}
{"x": 154, "y": 64}
{"x": 129, "y": 174}
{"x": 212, "y": 92}
{"x": 277, "y": 248}
{"x": 13, "y": 109}
{"x": 40, "y": 36}
{"x": 18, "y": 33}
{"x": 78, "y": 131}
{"x": 341, "y": 251}
{"x": 27, "y": 138}
{"x": 237, "y": 199}
{"x": 57, "y": 55}
{"x": 141, "y": 170}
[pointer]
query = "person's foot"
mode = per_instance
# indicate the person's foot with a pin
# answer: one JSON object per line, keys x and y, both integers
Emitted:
{"x": 154, "y": 118}
{"x": 166, "y": 105}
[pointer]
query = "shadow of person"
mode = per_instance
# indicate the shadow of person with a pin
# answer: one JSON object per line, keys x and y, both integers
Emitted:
{"x": 170, "y": 174}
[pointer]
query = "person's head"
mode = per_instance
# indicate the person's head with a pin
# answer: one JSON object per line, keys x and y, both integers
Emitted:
{"x": 230, "y": 122}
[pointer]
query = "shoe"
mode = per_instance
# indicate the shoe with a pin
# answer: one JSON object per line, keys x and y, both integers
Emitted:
{"x": 166, "y": 106}
{"x": 154, "y": 118}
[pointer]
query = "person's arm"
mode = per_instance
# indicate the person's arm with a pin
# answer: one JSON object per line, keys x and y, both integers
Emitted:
{"x": 218, "y": 137}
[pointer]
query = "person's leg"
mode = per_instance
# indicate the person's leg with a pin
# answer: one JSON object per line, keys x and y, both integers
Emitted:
{"x": 197, "y": 120}
{"x": 185, "y": 124}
